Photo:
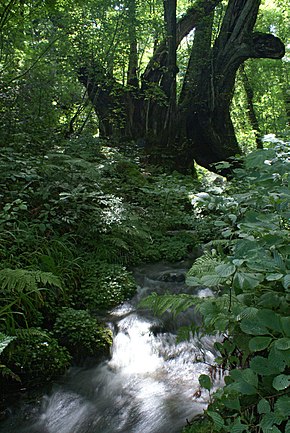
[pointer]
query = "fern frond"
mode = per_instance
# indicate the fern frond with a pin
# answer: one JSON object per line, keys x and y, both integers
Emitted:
{"x": 23, "y": 280}
{"x": 176, "y": 304}
{"x": 204, "y": 265}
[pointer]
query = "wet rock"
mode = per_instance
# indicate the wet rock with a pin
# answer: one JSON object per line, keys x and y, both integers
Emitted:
{"x": 172, "y": 277}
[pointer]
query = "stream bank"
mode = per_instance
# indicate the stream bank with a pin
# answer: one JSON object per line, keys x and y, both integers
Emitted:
{"x": 149, "y": 384}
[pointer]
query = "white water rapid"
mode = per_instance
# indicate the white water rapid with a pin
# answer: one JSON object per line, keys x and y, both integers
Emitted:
{"x": 149, "y": 385}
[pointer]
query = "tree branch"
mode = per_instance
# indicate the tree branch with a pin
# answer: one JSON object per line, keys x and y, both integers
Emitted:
{"x": 189, "y": 21}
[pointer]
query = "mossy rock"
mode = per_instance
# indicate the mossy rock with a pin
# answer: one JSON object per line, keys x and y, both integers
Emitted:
{"x": 82, "y": 334}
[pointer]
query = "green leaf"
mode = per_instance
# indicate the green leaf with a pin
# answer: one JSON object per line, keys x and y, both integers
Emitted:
{"x": 287, "y": 428}
{"x": 205, "y": 382}
{"x": 217, "y": 419}
{"x": 259, "y": 343}
{"x": 211, "y": 280}
{"x": 285, "y": 322}
{"x": 246, "y": 381}
{"x": 265, "y": 367}
{"x": 282, "y": 407}
{"x": 225, "y": 270}
{"x": 274, "y": 277}
{"x": 268, "y": 421}
{"x": 270, "y": 319}
{"x": 4, "y": 341}
{"x": 281, "y": 382}
{"x": 282, "y": 343}
{"x": 238, "y": 427}
{"x": 246, "y": 281}
{"x": 232, "y": 403}
{"x": 286, "y": 281}
{"x": 253, "y": 326}
{"x": 264, "y": 406}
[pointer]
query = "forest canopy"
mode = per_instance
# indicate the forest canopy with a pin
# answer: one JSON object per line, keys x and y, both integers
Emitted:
{"x": 184, "y": 80}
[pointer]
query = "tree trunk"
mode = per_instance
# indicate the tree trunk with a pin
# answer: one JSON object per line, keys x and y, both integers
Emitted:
{"x": 199, "y": 126}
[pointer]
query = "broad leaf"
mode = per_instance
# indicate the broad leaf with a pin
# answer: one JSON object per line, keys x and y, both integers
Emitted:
{"x": 264, "y": 406}
{"x": 217, "y": 419}
{"x": 285, "y": 322}
{"x": 253, "y": 326}
{"x": 281, "y": 382}
{"x": 247, "y": 281}
{"x": 246, "y": 381}
{"x": 205, "y": 382}
{"x": 225, "y": 270}
{"x": 282, "y": 343}
{"x": 286, "y": 281}
{"x": 270, "y": 319}
{"x": 282, "y": 406}
{"x": 259, "y": 343}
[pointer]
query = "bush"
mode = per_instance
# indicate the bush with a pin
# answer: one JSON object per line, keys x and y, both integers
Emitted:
{"x": 34, "y": 355}
{"x": 82, "y": 334}
{"x": 104, "y": 286}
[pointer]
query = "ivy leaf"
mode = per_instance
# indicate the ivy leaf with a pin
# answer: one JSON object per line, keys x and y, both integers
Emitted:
{"x": 217, "y": 419}
{"x": 225, "y": 270}
{"x": 205, "y": 382}
{"x": 264, "y": 406}
{"x": 259, "y": 343}
{"x": 281, "y": 382}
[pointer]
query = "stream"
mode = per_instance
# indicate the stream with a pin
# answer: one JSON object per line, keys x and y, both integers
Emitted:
{"x": 149, "y": 384}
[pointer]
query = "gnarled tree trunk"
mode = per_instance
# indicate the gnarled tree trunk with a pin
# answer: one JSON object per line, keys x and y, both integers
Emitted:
{"x": 198, "y": 126}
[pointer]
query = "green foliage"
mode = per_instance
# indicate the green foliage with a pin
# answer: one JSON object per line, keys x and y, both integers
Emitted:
{"x": 82, "y": 334}
{"x": 250, "y": 274}
{"x": 104, "y": 286}
{"x": 34, "y": 355}
{"x": 23, "y": 293}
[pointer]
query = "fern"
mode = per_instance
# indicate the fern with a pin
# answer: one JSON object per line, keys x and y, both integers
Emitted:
{"x": 173, "y": 303}
{"x": 23, "y": 280}
{"x": 202, "y": 269}
{"x": 22, "y": 294}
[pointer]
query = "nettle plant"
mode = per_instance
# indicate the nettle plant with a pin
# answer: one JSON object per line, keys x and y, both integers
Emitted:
{"x": 248, "y": 268}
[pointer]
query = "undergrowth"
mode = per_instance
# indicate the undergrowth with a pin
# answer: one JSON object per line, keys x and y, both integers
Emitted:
{"x": 247, "y": 264}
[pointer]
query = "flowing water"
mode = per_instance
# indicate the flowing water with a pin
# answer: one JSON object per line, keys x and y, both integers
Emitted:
{"x": 149, "y": 385}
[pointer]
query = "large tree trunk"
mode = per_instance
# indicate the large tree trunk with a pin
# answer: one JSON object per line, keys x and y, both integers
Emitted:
{"x": 199, "y": 126}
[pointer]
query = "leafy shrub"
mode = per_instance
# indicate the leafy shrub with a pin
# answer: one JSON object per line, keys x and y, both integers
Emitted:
{"x": 104, "y": 286}
{"x": 34, "y": 355}
{"x": 82, "y": 334}
{"x": 170, "y": 247}
{"x": 251, "y": 276}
